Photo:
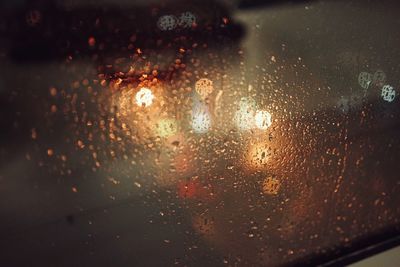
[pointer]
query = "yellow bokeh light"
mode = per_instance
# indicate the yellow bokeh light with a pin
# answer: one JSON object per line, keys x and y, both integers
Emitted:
{"x": 204, "y": 87}
{"x": 166, "y": 127}
{"x": 263, "y": 119}
{"x": 144, "y": 97}
{"x": 258, "y": 155}
{"x": 271, "y": 186}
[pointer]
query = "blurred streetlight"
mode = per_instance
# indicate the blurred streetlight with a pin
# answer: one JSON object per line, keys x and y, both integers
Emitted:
{"x": 144, "y": 97}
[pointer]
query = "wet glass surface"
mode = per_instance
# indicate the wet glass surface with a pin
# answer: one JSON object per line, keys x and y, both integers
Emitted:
{"x": 195, "y": 133}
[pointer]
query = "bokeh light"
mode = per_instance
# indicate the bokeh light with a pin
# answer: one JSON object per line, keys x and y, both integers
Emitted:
{"x": 166, "y": 127}
{"x": 204, "y": 87}
{"x": 271, "y": 186}
{"x": 258, "y": 155}
{"x": 187, "y": 20}
{"x": 201, "y": 118}
{"x": 201, "y": 122}
{"x": 144, "y": 97}
{"x": 388, "y": 93}
{"x": 244, "y": 117}
{"x": 167, "y": 22}
{"x": 244, "y": 120}
{"x": 263, "y": 119}
{"x": 247, "y": 104}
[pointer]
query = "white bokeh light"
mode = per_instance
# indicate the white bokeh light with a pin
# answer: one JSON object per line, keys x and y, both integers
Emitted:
{"x": 244, "y": 117}
{"x": 201, "y": 122}
{"x": 364, "y": 79}
{"x": 247, "y": 104}
{"x": 379, "y": 78}
{"x": 187, "y": 20}
{"x": 144, "y": 97}
{"x": 167, "y": 22}
{"x": 244, "y": 120}
{"x": 263, "y": 119}
{"x": 201, "y": 119}
{"x": 388, "y": 93}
